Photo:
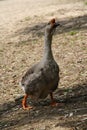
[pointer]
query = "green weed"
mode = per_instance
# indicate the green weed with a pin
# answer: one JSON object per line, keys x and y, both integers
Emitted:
{"x": 73, "y": 32}
{"x": 85, "y": 3}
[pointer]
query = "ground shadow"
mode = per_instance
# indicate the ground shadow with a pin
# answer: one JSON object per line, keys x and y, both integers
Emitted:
{"x": 77, "y": 23}
{"x": 72, "y": 114}
{"x": 2, "y": 0}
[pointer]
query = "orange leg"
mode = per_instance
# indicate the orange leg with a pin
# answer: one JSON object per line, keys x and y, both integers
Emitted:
{"x": 53, "y": 103}
{"x": 24, "y": 103}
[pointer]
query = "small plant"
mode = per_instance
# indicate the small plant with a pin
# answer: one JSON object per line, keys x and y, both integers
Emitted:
{"x": 85, "y": 2}
{"x": 27, "y": 18}
{"x": 73, "y": 32}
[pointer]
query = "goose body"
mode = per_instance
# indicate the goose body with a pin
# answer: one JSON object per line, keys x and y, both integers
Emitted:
{"x": 42, "y": 78}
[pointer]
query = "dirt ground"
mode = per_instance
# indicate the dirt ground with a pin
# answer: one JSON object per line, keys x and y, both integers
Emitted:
{"x": 22, "y": 24}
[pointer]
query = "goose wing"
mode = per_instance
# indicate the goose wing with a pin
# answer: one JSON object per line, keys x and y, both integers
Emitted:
{"x": 28, "y": 74}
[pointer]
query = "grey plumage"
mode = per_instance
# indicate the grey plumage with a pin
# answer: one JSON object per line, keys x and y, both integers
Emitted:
{"x": 43, "y": 78}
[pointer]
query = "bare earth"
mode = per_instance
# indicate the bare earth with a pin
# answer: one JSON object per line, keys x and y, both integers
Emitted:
{"x": 22, "y": 24}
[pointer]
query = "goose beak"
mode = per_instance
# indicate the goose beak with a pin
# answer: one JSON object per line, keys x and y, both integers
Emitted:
{"x": 56, "y": 25}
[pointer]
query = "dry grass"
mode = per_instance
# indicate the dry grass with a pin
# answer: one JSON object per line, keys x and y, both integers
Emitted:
{"x": 23, "y": 46}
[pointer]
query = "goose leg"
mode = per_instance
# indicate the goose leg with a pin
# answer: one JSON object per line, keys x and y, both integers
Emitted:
{"x": 24, "y": 103}
{"x": 53, "y": 103}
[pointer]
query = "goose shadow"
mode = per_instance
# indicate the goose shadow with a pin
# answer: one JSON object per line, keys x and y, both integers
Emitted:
{"x": 76, "y": 23}
{"x": 73, "y": 113}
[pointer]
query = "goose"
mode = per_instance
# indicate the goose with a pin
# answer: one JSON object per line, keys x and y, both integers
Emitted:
{"x": 42, "y": 79}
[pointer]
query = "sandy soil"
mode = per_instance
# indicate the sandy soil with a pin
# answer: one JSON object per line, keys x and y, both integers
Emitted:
{"x": 22, "y": 24}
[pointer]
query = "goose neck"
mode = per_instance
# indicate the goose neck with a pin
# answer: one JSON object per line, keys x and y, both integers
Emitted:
{"x": 47, "y": 47}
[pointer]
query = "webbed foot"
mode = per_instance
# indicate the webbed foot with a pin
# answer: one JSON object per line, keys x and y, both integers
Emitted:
{"x": 25, "y": 107}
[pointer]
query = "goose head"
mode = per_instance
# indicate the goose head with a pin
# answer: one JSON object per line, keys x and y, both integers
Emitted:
{"x": 51, "y": 26}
